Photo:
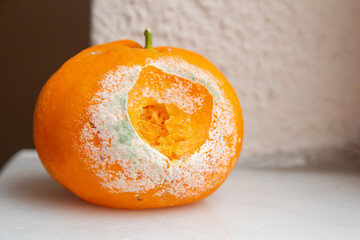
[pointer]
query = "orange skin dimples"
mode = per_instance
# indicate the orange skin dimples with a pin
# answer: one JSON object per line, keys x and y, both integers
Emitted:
{"x": 124, "y": 126}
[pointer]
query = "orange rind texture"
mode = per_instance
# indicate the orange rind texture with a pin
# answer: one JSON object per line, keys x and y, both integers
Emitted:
{"x": 127, "y": 127}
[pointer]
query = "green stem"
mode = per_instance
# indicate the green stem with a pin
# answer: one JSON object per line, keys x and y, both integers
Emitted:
{"x": 148, "y": 38}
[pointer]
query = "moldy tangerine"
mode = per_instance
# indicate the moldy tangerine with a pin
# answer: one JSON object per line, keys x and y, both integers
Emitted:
{"x": 130, "y": 127}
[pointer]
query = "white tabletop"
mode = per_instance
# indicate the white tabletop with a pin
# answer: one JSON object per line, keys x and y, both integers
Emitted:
{"x": 252, "y": 204}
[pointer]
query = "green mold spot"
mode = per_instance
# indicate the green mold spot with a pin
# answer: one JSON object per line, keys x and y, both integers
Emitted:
{"x": 125, "y": 130}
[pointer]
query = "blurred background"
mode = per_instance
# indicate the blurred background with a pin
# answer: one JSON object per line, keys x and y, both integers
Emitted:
{"x": 36, "y": 38}
{"x": 295, "y": 65}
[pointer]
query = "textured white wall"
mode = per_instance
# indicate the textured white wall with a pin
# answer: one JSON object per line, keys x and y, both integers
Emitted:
{"x": 295, "y": 65}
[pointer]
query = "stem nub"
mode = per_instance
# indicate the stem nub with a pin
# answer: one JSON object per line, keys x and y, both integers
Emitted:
{"x": 148, "y": 38}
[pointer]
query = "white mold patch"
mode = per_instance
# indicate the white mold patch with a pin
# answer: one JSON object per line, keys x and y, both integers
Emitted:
{"x": 124, "y": 162}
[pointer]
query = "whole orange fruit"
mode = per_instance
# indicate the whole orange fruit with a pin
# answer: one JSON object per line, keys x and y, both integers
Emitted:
{"x": 124, "y": 126}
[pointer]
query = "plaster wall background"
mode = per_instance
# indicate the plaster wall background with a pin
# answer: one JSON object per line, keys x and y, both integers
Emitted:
{"x": 295, "y": 65}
